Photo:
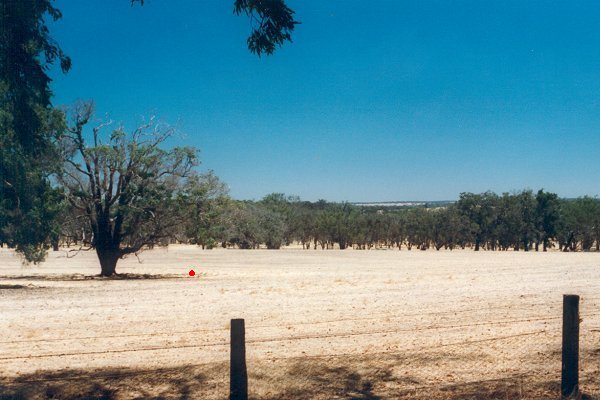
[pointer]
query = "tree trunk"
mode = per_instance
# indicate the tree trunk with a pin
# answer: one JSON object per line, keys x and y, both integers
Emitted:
{"x": 108, "y": 261}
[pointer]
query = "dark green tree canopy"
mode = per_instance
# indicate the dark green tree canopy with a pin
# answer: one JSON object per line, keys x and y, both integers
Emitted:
{"x": 26, "y": 53}
{"x": 28, "y": 125}
{"x": 272, "y": 23}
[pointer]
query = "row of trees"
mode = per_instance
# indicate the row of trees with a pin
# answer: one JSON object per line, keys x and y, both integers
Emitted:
{"x": 520, "y": 221}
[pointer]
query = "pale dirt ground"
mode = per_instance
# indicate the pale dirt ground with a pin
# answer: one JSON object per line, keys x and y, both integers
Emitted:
{"x": 378, "y": 324}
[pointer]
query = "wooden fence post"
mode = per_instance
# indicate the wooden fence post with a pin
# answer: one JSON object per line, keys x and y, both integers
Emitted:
{"x": 569, "y": 387}
{"x": 238, "y": 377}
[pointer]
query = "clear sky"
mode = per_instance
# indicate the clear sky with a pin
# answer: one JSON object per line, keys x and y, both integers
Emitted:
{"x": 374, "y": 100}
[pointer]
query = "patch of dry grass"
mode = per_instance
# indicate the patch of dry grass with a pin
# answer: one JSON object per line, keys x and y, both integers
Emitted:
{"x": 320, "y": 325}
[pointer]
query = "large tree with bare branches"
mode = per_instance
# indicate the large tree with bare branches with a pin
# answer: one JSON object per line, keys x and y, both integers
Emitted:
{"x": 124, "y": 185}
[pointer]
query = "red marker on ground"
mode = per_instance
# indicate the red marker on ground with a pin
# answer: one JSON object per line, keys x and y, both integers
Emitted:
{"x": 192, "y": 273}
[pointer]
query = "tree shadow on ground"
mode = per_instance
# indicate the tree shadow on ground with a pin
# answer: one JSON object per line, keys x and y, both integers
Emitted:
{"x": 107, "y": 384}
{"x": 13, "y": 287}
{"x": 510, "y": 388}
{"x": 391, "y": 378}
{"x": 81, "y": 277}
{"x": 312, "y": 382}
{"x": 383, "y": 380}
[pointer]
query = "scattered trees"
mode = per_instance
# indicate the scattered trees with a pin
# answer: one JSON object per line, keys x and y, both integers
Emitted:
{"x": 578, "y": 224}
{"x": 123, "y": 193}
{"x": 205, "y": 201}
{"x": 519, "y": 221}
{"x": 251, "y": 224}
{"x": 547, "y": 216}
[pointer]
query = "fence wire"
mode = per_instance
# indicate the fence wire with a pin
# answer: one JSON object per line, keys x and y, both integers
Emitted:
{"x": 500, "y": 358}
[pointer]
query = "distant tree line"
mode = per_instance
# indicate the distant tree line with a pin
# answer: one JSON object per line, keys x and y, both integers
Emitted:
{"x": 523, "y": 221}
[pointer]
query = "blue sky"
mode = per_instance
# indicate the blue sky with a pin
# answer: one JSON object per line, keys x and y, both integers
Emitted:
{"x": 373, "y": 101}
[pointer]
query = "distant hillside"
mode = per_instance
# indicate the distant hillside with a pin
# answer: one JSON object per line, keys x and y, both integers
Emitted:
{"x": 406, "y": 204}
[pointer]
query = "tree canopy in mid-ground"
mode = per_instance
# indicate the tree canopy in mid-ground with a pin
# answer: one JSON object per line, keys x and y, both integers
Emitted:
{"x": 511, "y": 221}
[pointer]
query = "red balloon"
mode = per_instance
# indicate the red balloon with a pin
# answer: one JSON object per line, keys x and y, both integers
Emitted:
{"x": 192, "y": 273}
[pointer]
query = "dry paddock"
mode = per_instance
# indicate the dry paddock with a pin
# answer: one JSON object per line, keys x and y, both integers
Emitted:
{"x": 379, "y": 324}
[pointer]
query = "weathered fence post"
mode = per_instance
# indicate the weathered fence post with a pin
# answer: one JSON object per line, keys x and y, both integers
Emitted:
{"x": 569, "y": 387}
{"x": 238, "y": 377}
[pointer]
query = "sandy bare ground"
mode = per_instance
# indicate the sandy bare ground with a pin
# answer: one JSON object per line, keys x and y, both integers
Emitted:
{"x": 320, "y": 324}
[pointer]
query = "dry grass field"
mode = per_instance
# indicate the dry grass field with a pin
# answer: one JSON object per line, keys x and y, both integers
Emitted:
{"x": 379, "y": 324}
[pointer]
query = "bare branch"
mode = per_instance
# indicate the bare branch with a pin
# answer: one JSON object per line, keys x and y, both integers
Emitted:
{"x": 77, "y": 251}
